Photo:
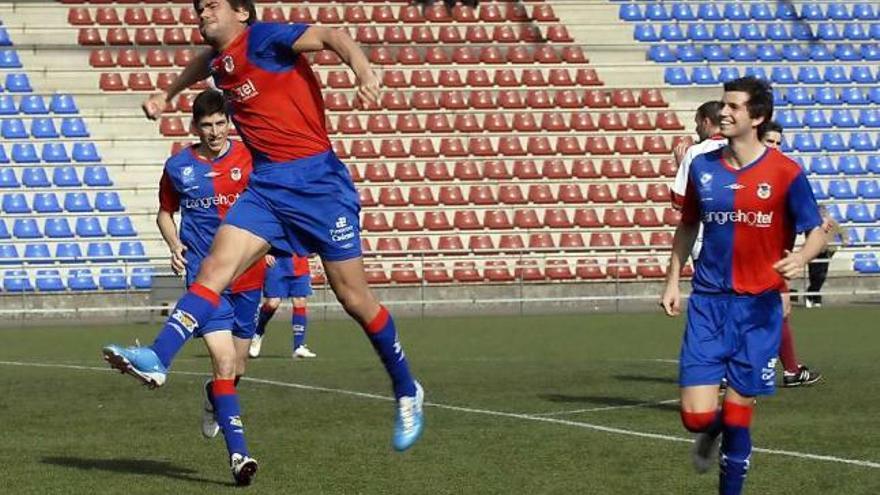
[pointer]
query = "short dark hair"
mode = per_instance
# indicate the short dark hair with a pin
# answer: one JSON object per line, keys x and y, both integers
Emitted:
{"x": 710, "y": 110}
{"x": 247, "y": 5}
{"x": 209, "y": 102}
{"x": 773, "y": 126}
{"x": 760, "y": 102}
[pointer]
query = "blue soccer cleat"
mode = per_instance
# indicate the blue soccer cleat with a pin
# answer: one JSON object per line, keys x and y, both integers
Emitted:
{"x": 410, "y": 420}
{"x": 139, "y": 362}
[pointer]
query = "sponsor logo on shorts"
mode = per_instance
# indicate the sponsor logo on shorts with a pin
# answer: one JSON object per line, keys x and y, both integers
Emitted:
{"x": 750, "y": 218}
{"x": 207, "y": 202}
{"x": 342, "y": 232}
{"x": 768, "y": 373}
{"x": 185, "y": 320}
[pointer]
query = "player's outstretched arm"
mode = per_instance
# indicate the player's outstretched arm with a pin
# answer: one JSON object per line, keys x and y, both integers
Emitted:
{"x": 320, "y": 38}
{"x": 168, "y": 229}
{"x": 682, "y": 244}
{"x": 197, "y": 69}
{"x": 793, "y": 263}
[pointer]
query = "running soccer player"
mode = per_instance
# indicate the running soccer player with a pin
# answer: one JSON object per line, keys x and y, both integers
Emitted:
{"x": 286, "y": 276}
{"x": 203, "y": 181}
{"x": 749, "y": 199}
{"x": 794, "y": 374}
{"x": 300, "y": 199}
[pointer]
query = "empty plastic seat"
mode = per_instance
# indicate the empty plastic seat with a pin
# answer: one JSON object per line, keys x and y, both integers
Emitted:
{"x": 17, "y": 281}
{"x": 13, "y": 129}
{"x": 85, "y": 152}
{"x": 18, "y": 83}
{"x": 26, "y": 228}
{"x": 81, "y": 279}
{"x": 858, "y": 213}
{"x": 47, "y": 203}
{"x": 868, "y": 189}
{"x": 49, "y": 281}
{"x": 841, "y": 189}
{"x": 35, "y": 177}
{"x": 100, "y": 252}
{"x": 8, "y": 178}
{"x": 88, "y": 227}
{"x": 65, "y": 177}
{"x": 37, "y": 254}
{"x": 15, "y": 203}
{"x": 54, "y": 153}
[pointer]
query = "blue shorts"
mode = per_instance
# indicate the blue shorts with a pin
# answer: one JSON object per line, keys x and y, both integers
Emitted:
{"x": 735, "y": 337}
{"x": 237, "y": 312}
{"x": 304, "y": 206}
{"x": 281, "y": 282}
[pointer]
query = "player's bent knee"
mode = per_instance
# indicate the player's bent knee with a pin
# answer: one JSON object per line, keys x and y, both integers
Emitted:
{"x": 273, "y": 303}
{"x": 697, "y": 422}
{"x": 224, "y": 367}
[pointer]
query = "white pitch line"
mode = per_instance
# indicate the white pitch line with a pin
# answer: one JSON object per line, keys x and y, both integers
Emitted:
{"x": 490, "y": 412}
{"x": 607, "y": 408}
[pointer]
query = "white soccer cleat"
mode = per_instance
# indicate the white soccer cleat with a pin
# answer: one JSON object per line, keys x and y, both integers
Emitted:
{"x": 243, "y": 469}
{"x": 705, "y": 452}
{"x": 302, "y": 352}
{"x": 409, "y": 421}
{"x": 210, "y": 428}
{"x": 256, "y": 346}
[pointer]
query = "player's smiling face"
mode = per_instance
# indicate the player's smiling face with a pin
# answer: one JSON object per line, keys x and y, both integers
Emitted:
{"x": 219, "y": 23}
{"x": 735, "y": 118}
{"x": 213, "y": 131}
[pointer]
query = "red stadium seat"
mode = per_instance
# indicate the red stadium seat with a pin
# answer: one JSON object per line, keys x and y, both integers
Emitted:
{"x": 546, "y": 54}
{"x": 659, "y": 193}
{"x": 646, "y": 217}
{"x": 174, "y": 36}
{"x": 511, "y": 194}
{"x": 601, "y": 240}
{"x": 569, "y": 145}
{"x": 466, "y": 271}
{"x": 587, "y": 218}
{"x": 450, "y": 79}
{"x": 451, "y": 101}
{"x": 439, "y": 123}
{"x": 392, "y": 100}
{"x": 301, "y": 15}
{"x": 571, "y": 240}
{"x": 379, "y": 124}
{"x": 481, "y": 146}
{"x": 435, "y": 272}
{"x": 407, "y": 172}
{"x": 437, "y": 13}
{"x": 466, "y": 220}
{"x": 146, "y": 36}
{"x": 528, "y": 270}
{"x": 449, "y": 34}
{"x": 652, "y": 98}
{"x": 375, "y": 221}
{"x": 410, "y": 14}
{"x": 366, "y": 198}
{"x": 437, "y": 171}
{"x": 452, "y": 147}
{"x": 340, "y": 79}
{"x": 478, "y": 78}
{"x": 530, "y": 33}
{"x": 375, "y": 274}
{"x": 328, "y": 15}
{"x": 496, "y": 122}
{"x": 408, "y": 123}
{"x": 188, "y": 16}
{"x": 436, "y": 220}
{"x": 498, "y": 271}
{"x": 467, "y": 170}
{"x": 376, "y": 172}
{"x": 613, "y": 168}
{"x": 584, "y": 168}
{"x": 451, "y": 196}
{"x": 128, "y": 57}
{"x": 496, "y": 220}
{"x": 107, "y": 16}
{"x": 518, "y": 54}
{"x": 556, "y": 218}
{"x": 389, "y": 244}
{"x": 543, "y": 12}
{"x": 600, "y": 193}
{"x": 511, "y": 243}
{"x": 450, "y": 243}
{"x": 162, "y": 16}
{"x": 422, "y": 78}
{"x": 525, "y": 122}
{"x": 539, "y": 146}
{"x": 340, "y": 149}
{"x": 339, "y": 102}
{"x": 677, "y": 140}
{"x": 79, "y": 16}
{"x": 464, "y": 13}
{"x": 392, "y": 196}
{"x": 89, "y": 37}
{"x": 510, "y": 99}
{"x": 588, "y": 269}
{"x": 516, "y": 12}
{"x": 671, "y": 217}
{"x": 363, "y": 148}
{"x": 642, "y": 169}
{"x": 617, "y": 268}
{"x": 541, "y": 194}
{"x": 626, "y": 145}
{"x": 504, "y": 34}
{"x": 668, "y": 121}
{"x": 394, "y": 35}
{"x": 539, "y": 99}
{"x": 594, "y": 98}
{"x": 419, "y": 244}
{"x": 405, "y": 273}
{"x": 624, "y": 98}
{"x": 381, "y": 55}
{"x": 526, "y": 219}
{"x": 555, "y": 169}
{"x": 422, "y": 148}
{"x": 586, "y": 77}
{"x": 480, "y": 243}
{"x": 598, "y": 145}
{"x": 117, "y": 37}
{"x": 467, "y": 123}
{"x": 496, "y": 169}
{"x": 631, "y": 239}
{"x": 382, "y": 14}
{"x": 136, "y": 16}
{"x": 367, "y": 35}
{"x": 405, "y": 221}
{"x": 559, "y": 34}
{"x": 491, "y": 13}
{"x": 649, "y": 268}
{"x": 156, "y": 57}
{"x": 526, "y": 170}
{"x": 553, "y": 122}
{"x": 668, "y": 167}
{"x": 477, "y": 34}
{"x": 611, "y": 121}
{"x": 327, "y": 57}
{"x": 422, "y": 196}
{"x": 273, "y": 14}
{"x": 481, "y": 100}
{"x": 660, "y": 239}
{"x": 558, "y": 270}
{"x": 629, "y": 193}
{"x": 408, "y": 55}
{"x": 465, "y": 55}
{"x": 616, "y": 217}
{"x": 571, "y": 194}
{"x": 140, "y": 81}
{"x": 355, "y": 14}
{"x": 582, "y": 121}
{"x": 655, "y": 145}
{"x": 639, "y": 121}
{"x": 101, "y": 58}
{"x": 172, "y": 127}
{"x": 423, "y": 35}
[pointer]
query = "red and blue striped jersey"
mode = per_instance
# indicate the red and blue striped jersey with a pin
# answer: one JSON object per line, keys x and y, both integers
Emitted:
{"x": 204, "y": 191}
{"x": 749, "y": 217}
{"x": 274, "y": 96}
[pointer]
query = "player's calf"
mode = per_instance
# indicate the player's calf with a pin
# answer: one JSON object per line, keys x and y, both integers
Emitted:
{"x": 736, "y": 447}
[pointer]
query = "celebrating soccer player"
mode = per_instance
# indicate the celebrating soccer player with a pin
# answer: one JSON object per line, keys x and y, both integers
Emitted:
{"x": 750, "y": 199}
{"x": 300, "y": 199}
{"x": 286, "y": 276}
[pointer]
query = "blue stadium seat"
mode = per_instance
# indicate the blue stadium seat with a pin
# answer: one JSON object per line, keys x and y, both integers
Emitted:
{"x": 872, "y": 235}
{"x": 852, "y": 235}
{"x": 699, "y": 32}
{"x": 13, "y": 129}
{"x": 869, "y": 117}
{"x": 877, "y": 212}
{"x": 113, "y": 279}
{"x": 873, "y": 164}
{"x": 25, "y": 153}
{"x": 68, "y": 252}
{"x": 4, "y": 37}
{"x": 828, "y": 32}
{"x": 3, "y": 157}
{"x": 100, "y": 252}
{"x": 15, "y": 203}
{"x": 657, "y": 12}
{"x": 89, "y": 227}
{"x": 809, "y": 75}
{"x": 820, "y": 53}
{"x": 768, "y": 53}
{"x": 864, "y": 12}
{"x": 672, "y": 32}
{"x": 630, "y": 12}
{"x": 870, "y": 52}
{"x": 815, "y": 119}
{"x": 818, "y": 191}
{"x": 7, "y": 105}
{"x": 834, "y": 212}
{"x": 57, "y": 228}
{"x": 43, "y": 128}
{"x": 788, "y": 119}
{"x": 120, "y": 227}
{"x": 85, "y": 152}
{"x": 49, "y": 281}
{"x": 682, "y": 11}
{"x": 688, "y": 53}
{"x": 832, "y": 141}
{"x": 108, "y": 202}
{"x": 35, "y": 177}
{"x": 786, "y": 146}
{"x": 822, "y": 165}
{"x": 874, "y": 31}
{"x": 142, "y": 277}
{"x": 840, "y": 189}
{"x": 866, "y": 264}
{"x": 46, "y": 203}
{"x": 709, "y": 12}
{"x": 63, "y": 104}
{"x": 868, "y": 189}
{"x": 855, "y": 32}
{"x": 4, "y": 232}
{"x": 751, "y": 32}
{"x": 26, "y": 228}
{"x": 9, "y": 59}
{"x": 97, "y": 176}
{"x": 760, "y": 11}
{"x": 757, "y": 72}
{"x": 55, "y": 153}
{"x": 799, "y": 96}
{"x": 645, "y": 32}
{"x": 715, "y": 53}
{"x": 81, "y": 279}
{"x": 77, "y": 202}
{"x": 860, "y": 141}
{"x": 836, "y": 74}
{"x": 74, "y": 127}
{"x": 795, "y": 53}
{"x": 661, "y": 53}
{"x": 850, "y": 165}
{"x": 8, "y": 178}
{"x": 806, "y": 143}
{"x": 838, "y": 12}
{"x": 779, "y": 99}
{"x": 852, "y": 96}
{"x": 782, "y": 75}
{"x": 858, "y": 213}
{"x": 9, "y": 255}
{"x": 734, "y": 11}
{"x": 37, "y": 253}
{"x": 742, "y": 53}
{"x": 18, "y": 83}
{"x": 725, "y": 32}
{"x": 813, "y": 12}
{"x": 728, "y": 74}
{"x": 777, "y": 32}
{"x": 65, "y": 177}
{"x": 17, "y": 281}
{"x": 802, "y": 32}
{"x": 675, "y": 76}
{"x": 873, "y": 95}
{"x": 703, "y": 75}
{"x": 843, "y": 118}
{"x": 132, "y": 251}
{"x": 846, "y": 52}
{"x": 861, "y": 74}
{"x": 32, "y": 105}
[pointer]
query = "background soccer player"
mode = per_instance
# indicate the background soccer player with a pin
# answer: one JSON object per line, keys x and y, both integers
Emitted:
{"x": 286, "y": 276}
{"x": 203, "y": 181}
{"x": 301, "y": 198}
{"x": 749, "y": 199}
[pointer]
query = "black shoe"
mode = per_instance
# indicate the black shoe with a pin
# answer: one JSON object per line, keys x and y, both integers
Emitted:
{"x": 802, "y": 377}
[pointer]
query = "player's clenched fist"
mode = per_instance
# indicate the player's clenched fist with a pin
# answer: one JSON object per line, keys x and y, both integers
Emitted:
{"x": 154, "y": 106}
{"x": 671, "y": 300}
{"x": 368, "y": 89}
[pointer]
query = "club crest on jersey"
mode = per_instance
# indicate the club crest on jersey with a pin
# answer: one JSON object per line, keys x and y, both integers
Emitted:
{"x": 764, "y": 190}
{"x": 228, "y": 64}
{"x": 235, "y": 173}
{"x": 187, "y": 174}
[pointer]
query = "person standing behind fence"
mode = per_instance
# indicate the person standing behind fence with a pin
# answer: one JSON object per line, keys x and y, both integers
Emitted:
{"x": 818, "y": 270}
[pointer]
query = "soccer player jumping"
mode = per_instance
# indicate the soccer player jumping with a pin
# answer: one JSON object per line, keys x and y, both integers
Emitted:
{"x": 300, "y": 199}
{"x": 750, "y": 199}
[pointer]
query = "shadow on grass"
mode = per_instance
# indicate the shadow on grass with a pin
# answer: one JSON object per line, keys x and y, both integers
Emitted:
{"x": 607, "y": 401}
{"x": 647, "y": 379}
{"x": 133, "y": 466}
